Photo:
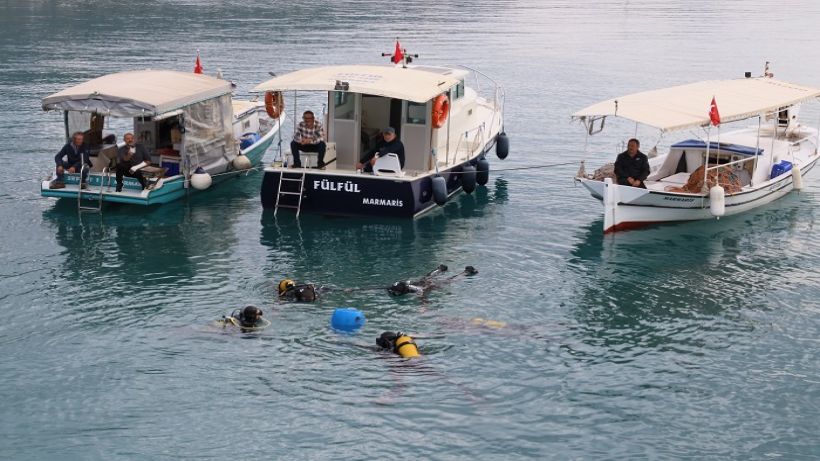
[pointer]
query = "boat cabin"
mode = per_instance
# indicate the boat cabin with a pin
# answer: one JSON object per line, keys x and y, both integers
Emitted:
{"x": 364, "y": 100}
{"x": 183, "y": 120}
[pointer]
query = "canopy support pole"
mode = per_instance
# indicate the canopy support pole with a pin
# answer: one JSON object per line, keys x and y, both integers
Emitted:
{"x": 757, "y": 149}
{"x": 774, "y": 137}
{"x": 817, "y": 144}
{"x": 703, "y": 188}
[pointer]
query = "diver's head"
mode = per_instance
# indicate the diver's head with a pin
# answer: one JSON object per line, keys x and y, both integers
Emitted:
{"x": 398, "y": 343}
{"x": 399, "y": 288}
{"x": 387, "y": 340}
{"x": 286, "y": 285}
{"x": 250, "y": 315}
{"x": 470, "y": 270}
{"x": 305, "y": 293}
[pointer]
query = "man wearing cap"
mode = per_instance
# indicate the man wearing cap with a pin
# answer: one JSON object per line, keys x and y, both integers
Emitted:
{"x": 390, "y": 144}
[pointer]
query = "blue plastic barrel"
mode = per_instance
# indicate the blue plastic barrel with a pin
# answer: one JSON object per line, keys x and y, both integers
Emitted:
{"x": 347, "y": 319}
{"x": 248, "y": 139}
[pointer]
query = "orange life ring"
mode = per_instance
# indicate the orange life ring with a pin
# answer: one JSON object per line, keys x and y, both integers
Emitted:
{"x": 441, "y": 107}
{"x": 274, "y": 103}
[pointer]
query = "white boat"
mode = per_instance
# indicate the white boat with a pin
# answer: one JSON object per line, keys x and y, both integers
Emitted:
{"x": 445, "y": 125}
{"x": 746, "y": 168}
{"x": 188, "y": 123}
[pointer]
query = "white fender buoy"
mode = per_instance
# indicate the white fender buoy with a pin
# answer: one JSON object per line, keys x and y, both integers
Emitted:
{"x": 797, "y": 178}
{"x": 201, "y": 180}
{"x": 241, "y": 162}
{"x": 717, "y": 201}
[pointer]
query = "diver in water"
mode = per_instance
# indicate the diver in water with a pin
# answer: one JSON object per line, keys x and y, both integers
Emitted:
{"x": 291, "y": 291}
{"x": 398, "y": 343}
{"x": 247, "y": 319}
{"x": 428, "y": 282}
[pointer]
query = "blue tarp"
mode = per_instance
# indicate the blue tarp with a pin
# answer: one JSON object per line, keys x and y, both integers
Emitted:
{"x": 735, "y": 148}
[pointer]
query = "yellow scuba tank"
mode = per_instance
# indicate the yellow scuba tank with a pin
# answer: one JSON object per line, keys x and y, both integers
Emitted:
{"x": 405, "y": 347}
{"x": 286, "y": 284}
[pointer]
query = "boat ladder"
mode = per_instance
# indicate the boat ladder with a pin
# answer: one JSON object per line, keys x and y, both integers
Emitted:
{"x": 300, "y": 181}
{"x": 94, "y": 209}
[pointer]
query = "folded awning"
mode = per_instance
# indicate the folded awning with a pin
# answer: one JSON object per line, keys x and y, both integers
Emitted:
{"x": 687, "y": 106}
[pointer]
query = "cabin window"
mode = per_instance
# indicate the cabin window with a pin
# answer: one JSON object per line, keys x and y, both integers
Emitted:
{"x": 458, "y": 90}
{"x": 416, "y": 113}
{"x": 344, "y": 105}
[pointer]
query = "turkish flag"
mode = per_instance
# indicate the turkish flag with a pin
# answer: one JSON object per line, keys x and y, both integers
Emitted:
{"x": 714, "y": 115}
{"x": 398, "y": 55}
{"x": 198, "y": 65}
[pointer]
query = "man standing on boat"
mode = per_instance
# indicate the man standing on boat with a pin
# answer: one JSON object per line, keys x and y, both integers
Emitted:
{"x": 75, "y": 153}
{"x": 308, "y": 138}
{"x": 129, "y": 156}
{"x": 632, "y": 166}
{"x": 389, "y": 145}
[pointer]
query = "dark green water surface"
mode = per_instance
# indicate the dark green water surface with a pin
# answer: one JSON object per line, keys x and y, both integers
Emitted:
{"x": 693, "y": 341}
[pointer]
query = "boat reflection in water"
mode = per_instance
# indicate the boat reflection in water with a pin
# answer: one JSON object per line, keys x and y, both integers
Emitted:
{"x": 636, "y": 289}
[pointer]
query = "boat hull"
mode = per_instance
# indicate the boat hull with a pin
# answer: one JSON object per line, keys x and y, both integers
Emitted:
{"x": 630, "y": 208}
{"x": 173, "y": 188}
{"x": 338, "y": 194}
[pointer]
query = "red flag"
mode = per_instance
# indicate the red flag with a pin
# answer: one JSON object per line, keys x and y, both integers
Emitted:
{"x": 714, "y": 115}
{"x": 198, "y": 65}
{"x": 398, "y": 55}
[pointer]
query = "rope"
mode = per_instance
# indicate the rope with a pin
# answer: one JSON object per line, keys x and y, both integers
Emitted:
{"x": 262, "y": 167}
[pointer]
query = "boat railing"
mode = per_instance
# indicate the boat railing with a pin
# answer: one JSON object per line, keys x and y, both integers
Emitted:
{"x": 729, "y": 164}
{"x": 498, "y": 90}
{"x": 469, "y": 146}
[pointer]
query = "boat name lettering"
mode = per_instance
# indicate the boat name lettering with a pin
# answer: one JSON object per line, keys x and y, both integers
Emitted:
{"x": 382, "y": 202}
{"x": 339, "y": 186}
{"x": 679, "y": 199}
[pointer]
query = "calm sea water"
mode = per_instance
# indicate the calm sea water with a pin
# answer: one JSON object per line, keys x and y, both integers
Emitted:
{"x": 695, "y": 341}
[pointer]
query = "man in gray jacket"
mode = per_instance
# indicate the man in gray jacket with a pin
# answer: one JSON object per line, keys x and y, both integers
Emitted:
{"x": 128, "y": 156}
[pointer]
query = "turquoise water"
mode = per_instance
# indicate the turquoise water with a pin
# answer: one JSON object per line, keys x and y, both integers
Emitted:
{"x": 693, "y": 341}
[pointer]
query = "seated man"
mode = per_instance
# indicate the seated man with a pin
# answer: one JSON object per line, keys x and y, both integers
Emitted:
{"x": 632, "y": 166}
{"x": 308, "y": 138}
{"x": 128, "y": 156}
{"x": 76, "y": 153}
{"x": 390, "y": 144}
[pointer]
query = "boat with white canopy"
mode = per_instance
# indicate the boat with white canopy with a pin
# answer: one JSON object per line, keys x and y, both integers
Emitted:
{"x": 194, "y": 132}
{"x": 446, "y": 128}
{"x": 707, "y": 174}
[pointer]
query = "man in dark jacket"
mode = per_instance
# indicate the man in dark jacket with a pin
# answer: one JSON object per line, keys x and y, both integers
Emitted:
{"x": 75, "y": 153}
{"x": 129, "y": 156}
{"x": 389, "y": 145}
{"x": 632, "y": 166}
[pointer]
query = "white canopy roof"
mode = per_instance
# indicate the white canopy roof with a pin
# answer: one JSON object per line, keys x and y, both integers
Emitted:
{"x": 412, "y": 84}
{"x": 136, "y": 93}
{"x": 687, "y": 106}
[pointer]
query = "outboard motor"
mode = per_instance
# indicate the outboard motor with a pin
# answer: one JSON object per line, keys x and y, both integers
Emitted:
{"x": 502, "y": 145}
{"x": 468, "y": 179}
